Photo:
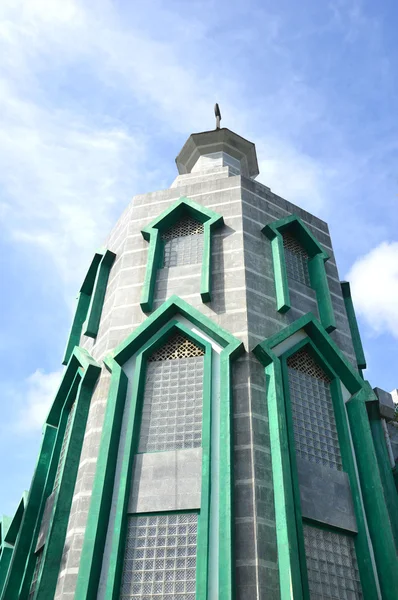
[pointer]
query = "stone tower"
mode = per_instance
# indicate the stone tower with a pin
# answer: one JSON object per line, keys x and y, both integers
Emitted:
{"x": 213, "y": 436}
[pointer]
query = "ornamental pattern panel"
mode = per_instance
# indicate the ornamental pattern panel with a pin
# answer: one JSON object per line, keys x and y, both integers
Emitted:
{"x": 160, "y": 557}
{"x": 296, "y": 260}
{"x": 183, "y": 243}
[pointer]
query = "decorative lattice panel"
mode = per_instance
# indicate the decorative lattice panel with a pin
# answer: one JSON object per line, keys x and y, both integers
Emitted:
{"x": 331, "y": 565}
{"x": 36, "y": 573}
{"x": 296, "y": 260}
{"x": 173, "y": 398}
{"x": 64, "y": 445}
{"x": 315, "y": 432}
{"x": 183, "y": 243}
{"x": 160, "y": 557}
{"x": 183, "y": 227}
{"x": 177, "y": 347}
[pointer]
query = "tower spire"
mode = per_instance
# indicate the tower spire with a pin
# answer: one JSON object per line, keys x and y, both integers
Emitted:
{"x": 217, "y": 112}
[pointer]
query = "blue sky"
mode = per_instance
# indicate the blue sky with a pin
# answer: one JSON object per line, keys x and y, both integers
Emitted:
{"x": 96, "y": 100}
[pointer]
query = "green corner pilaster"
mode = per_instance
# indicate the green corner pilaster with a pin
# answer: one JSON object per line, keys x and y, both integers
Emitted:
{"x": 91, "y": 326}
{"x": 353, "y": 323}
{"x": 316, "y": 266}
{"x": 90, "y": 300}
{"x": 373, "y": 496}
{"x": 84, "y": 366}
{"x": 150, "y": 333}
{"x": 152, "y": 234}
{"x": 32, "y": 511}
{"x": 386, "y": 474}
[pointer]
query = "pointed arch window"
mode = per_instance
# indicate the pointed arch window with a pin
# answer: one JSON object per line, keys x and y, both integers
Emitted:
{"x": 181, "y": 235}
{"x": 298, "y": 256}
{"x": 314, "y": 424}
{"x": 296, "y": 259}
{"x": 183, "y": 243}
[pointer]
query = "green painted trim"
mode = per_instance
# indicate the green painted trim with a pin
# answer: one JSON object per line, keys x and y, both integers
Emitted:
{"x": 95, "y": 536}
{"x": 90, "y": 301}
{"x": 5, "y": 560}
{"x": 14, "y": 526}
{"x": 361, "y": 539}
{"x": 373, "y": 496}
{"x": 328, "y": 348}
{"x": 113, "y": 577}
{"x": 287, "y": 502}
{"x": 316, "y": 266}
{"x": 9, "y": 530}
{"x": 151, "y": 233}
{"x": 395, "y": 475}
{"x": 55, "y": 541}
{"x": 92, "y": 323}
{"x": 387, "y": 478}
{"x": 31, "y": 514}
{"x": 353, "y": 323}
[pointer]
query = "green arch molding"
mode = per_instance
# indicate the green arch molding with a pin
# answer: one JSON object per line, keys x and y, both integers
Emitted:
{"x": 153, "y": 331}
{"x": 90, "y": 301}
{"x": 316, "y": 267}
{"x": 353, "y": 323}
{"x": 151, "y": 233}
{"x": 77, "y": 385}
{"x": 9, "y": 530}
{"x": 307, "y": 330}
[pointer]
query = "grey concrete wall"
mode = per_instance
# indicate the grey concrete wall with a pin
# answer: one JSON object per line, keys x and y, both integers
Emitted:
{"x": 243, "y": 302}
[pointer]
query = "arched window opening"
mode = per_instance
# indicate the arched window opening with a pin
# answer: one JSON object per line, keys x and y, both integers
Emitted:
{"x": 173, "y": 397}
{"x": 183, "y": 243}
{"x": 296, "y": 260}
{"x": 314, "y": 424}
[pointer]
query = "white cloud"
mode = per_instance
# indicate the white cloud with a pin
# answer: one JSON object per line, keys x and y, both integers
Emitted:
{"x": 38, "y": 392}
{"x": 374, "y": 285}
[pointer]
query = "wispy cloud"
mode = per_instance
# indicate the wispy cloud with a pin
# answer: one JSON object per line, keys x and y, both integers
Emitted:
{"x": 34, "y": 398}
{"x": 374, "y": 284}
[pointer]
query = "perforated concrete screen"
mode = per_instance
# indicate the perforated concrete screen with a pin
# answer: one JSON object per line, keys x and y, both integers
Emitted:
{"x": 331, "y": 565}
{"x": 39, "y": 557}
{"x": 160, "y": 557}
{"x": 315, "y": 433}
{"x": 296, "y": 260}
{"x": 173, "y": 398}
{"x": 183, "y": 243}
{"x": 64, "y": 446}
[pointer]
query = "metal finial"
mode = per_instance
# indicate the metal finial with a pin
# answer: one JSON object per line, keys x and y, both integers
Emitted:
{"x": 217, "y": 112}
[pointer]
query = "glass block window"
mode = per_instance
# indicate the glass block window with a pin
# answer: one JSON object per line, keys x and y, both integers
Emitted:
{"x": 314, "y": 424}
{"x": 183, "y": 243}
{"x": 160, "y": 557}
{"x": 173, "y": 397}
{"x": 64, "y": 445}
{"x": 331, "y": 565}
{"x": 296, "y": 260}
{"x": 36, "y": 573}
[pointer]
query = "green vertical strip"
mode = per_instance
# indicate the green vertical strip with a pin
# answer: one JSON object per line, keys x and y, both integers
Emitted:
{"x": 280, "y": 275}
{"x": 205, "y": 280}
{"x": 353, "y": 323}
{"x": 319, "y": 283}
{"x": 98, "y": 295}
{"x": 373, "y": 496}
{"x": 387, "y": 478}
{"x": 101, "y": 499}
{"x": 226, "y": 541}
{"x": 83, "y": 302}
{"x": 364, "y": 559}
{"x": 395, "y": 475}
{"x": 202, "y": 565}
{"x": 5, "y": 560}
{"x": 288, "y": 550}
{"x": 21, "y": 551}
{"x": 153, "y": 263}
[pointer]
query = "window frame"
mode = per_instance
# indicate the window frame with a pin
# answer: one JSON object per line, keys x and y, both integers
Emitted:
{"x": 152, "y": 234}
{"x": 317, "y": 257}
{"x": 114, "y": 573}
{"x": 346, "y": 451}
